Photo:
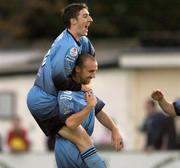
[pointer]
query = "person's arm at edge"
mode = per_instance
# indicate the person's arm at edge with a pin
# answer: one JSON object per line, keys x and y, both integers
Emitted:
{"x": 163, "y": 103}
{"x": 167, "y": 107}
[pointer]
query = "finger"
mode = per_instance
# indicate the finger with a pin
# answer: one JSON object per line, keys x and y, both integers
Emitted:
{"x": 121, "y": 144}
{"x": 117, "y": 145}
{"x": 88, "y": 93}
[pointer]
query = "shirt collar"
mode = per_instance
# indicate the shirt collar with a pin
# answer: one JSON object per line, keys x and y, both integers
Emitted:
{"x": 78, "y": 43}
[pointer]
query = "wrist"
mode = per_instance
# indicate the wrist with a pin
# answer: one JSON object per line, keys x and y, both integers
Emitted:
{"x": 115, "y": 128}
{"x": 89, "y": 107}
{"x": 160, "y": 100}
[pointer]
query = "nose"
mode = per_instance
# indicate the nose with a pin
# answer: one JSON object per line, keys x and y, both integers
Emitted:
{"x": 90, "y": 19}
{"x": 93, "y": 75}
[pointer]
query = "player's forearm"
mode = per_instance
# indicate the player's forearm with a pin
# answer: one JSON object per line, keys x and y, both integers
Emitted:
{"x": 77, "y": 118}
{"x": 68, "y": 84}
{"x": 106, "y": 120}
{"x": 167, "y": 107}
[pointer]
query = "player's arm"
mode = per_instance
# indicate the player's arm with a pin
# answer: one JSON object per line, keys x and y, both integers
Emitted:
{"x": 106, "y": 121}
{"x": 167, "y": 107}
{"x": 92, "y": 102}
{"x": 63, "y": 64}
{"x": 74, "y": 120}
{"x": 70, "y": 84}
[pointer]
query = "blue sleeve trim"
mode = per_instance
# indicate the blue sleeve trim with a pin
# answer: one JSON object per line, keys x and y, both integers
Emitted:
{"x": 99, "y": 106}
{"x": 177, "y": 108}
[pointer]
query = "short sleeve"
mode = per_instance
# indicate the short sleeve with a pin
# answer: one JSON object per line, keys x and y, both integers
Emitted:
{"x": 176, "y": 105}
{"x": 99, "y": 106}
{"x": 87, "y": 46}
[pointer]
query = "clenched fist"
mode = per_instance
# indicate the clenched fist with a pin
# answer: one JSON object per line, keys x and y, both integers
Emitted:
{"x": 157, "y": 95}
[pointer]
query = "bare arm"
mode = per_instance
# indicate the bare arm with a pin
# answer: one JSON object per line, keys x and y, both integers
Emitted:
{"x": 70, "y": 84}
{"x": 116, "y": 138}
{"x": 164, "y": 104}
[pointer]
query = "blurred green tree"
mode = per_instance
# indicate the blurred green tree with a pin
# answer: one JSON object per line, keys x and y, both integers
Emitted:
{"x": 37, "y": 19}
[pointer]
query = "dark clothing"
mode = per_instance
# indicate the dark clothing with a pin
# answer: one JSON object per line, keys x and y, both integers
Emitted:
{"x": 159, "y": 129}
{"x": 0, "y": 144}
{"x": 51, "y": 143}
{"x": 176, "y": 105}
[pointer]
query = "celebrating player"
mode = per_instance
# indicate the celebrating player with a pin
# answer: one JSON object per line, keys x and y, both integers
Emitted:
{"x": 76, "y": 111}
{"x": 54, "y": 75}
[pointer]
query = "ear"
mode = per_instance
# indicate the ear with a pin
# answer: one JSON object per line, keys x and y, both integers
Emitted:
{"x": 77, "y": 69}
{"x": 73, "y": 21}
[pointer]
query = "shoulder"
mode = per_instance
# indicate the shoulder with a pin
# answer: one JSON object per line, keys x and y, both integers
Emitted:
{"x": 84, "y": 39}
{"x": 87, "y": 46}
{"x": 64, "y": 40}
{"x": 66, "y": 101}
{"x": 66, "y": 95}
{"x": 71, "y": 96}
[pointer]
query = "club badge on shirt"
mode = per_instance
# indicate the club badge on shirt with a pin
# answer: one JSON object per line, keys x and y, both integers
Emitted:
{"x": 73, "y": 52}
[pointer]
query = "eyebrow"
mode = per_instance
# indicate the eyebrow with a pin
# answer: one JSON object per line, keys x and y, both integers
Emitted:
{"x": 85, "y": 14}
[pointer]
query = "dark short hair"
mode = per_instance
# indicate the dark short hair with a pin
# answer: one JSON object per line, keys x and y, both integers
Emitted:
{"x": 72, "y": 11}
{"x": 82, "y": 59}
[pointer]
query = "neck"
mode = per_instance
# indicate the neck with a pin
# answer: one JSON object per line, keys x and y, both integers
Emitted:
{"x": 74, "y": 33}
{"x": 76, "y": 79}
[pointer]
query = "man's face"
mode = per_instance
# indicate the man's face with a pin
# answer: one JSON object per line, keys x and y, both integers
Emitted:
{"x": 87, "y": 72}
{"x": 83, "y": 22}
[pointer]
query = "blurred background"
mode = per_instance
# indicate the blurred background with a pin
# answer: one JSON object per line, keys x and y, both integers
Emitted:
{"x": 138, "y": 50}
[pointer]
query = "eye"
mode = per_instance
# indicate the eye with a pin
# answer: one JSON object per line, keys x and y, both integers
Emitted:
{"x": 92, "y": 71}
{"x": 85, "y": 15}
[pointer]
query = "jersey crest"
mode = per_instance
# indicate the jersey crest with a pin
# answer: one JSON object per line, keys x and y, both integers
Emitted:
{"x": 73, "y": 52}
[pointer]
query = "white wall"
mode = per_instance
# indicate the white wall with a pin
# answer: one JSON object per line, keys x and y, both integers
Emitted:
{"x": 112, "y": 86}
{"x": 20, "y": 86}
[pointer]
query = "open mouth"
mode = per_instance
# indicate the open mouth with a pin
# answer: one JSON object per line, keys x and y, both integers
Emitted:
{"x": 86, "y": 27}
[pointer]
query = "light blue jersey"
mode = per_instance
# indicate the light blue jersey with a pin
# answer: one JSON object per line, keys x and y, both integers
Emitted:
{"x": 73, "y": 102}
{"x": 67, "y": 154}
{"x": 60, "y": 60}
{"x": 56, "y": 67}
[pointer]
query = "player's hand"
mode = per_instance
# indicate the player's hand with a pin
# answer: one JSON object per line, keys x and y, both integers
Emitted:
{"x": 86, "y": 88}
{"x": 117, "y": 140}
{"x": 90, "y": 98}
{"x": 157, "y": 95}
